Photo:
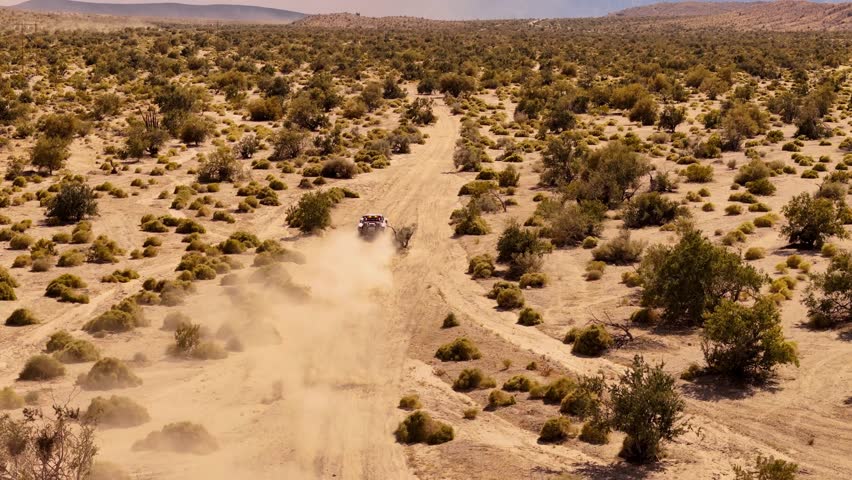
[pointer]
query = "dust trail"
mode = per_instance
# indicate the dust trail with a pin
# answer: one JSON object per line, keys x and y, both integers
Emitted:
{"x": 313, "y": 393}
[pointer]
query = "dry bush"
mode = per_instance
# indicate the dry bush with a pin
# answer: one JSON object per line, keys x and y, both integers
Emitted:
{"x": 410, "y": 402}
{"x": 41, "y": 367}
{"x": 419, "y": 427}
{"x": 9, "y": 400}
{"x": 459, "y": 350}
{"x": 472, "y": 379}
{"x": 220, "y": 166}
{"x": 120, "y": 412}
{"x": 122, "y": 317}
{"x": 181, "y": 437}
{"x": 450, "y": 321}
{"x": 621, "y": 250}
{"x": 528, "y": 317}
{"x": 519, "y": 383}
{"x": 108, "y": 373}
{"x": 104, "y": 250}
{"x": 557, "y": 430}
{"x": 591, "y": 341}
{"x": 499, "y": 399}
{"x": 74, "y": 350}
{"x": 21, "y": 317}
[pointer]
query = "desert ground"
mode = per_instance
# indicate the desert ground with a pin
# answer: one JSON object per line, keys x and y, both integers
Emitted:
{"x": 312, "y": 338}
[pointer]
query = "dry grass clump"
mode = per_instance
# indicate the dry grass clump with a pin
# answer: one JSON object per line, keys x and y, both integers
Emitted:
{"x": 21, "y": 317}
{"x": 420, "y": 427}
{"x": 529, "y": 317}
{"x": 519, "y": 383}
{"x": 181, "y": 437}
{"x": 459, "y": 350}
{"x": 107, "y": 374}
{"x": 71, "y": 258}
{"x": 41, "y": 367}
{"x": 76, "y": 350}
{"x": 104, "y": 250}
{"x": 9, "y": 400}
{"x": 116, "y": 411}
{"x": 499, "y": 399}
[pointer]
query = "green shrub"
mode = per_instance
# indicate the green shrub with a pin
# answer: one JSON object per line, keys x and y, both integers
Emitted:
{"x": 698, "y": 173}
{"x": 595, "y": 432}
{"x": 533, "y": 280}
{"x": 108, "y": 373}
{"x": 104, "y": 250}
{"x": 41, "y": 367}
{"x": 459, "y": 350}
{"x": 21, "y": 317}
{"x": 556, "y": 390}
{"x": 481, "y": 266}
{"x": 649, "y": 209}
{"x": 62, "y": 283}
{"x": 510, "y": 298}
{"x": 755, "y": 253}
{"x": 620, "y": 250}
{"x": 419, "y": 427}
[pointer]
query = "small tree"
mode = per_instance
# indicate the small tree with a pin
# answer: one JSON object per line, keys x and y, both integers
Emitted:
{"x": 73, "y": 202}
{"x": 693, "y": 277}
{"x": 49, "y": 153}
{"x": 746, "y": 342}
{"x": 248, "y": 146}
{"x": 561, "y": 161}
{"x": 195, "y": 130}
{"x": 220, "y": 166}
{"x": 829, "y": 298}
{"x": 671, "y": 117}
{"x": 810, "y": 221}
{"x": 287, "y": 144}
{"x": 647, "y": 407}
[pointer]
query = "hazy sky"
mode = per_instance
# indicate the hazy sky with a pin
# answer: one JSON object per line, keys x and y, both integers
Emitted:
{"x": 458, "y": 9}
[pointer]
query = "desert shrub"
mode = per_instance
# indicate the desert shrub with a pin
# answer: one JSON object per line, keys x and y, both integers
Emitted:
{"x": 584, "y": 401}
{"x": 510, "y": 298}
{"x": 410, "y": 402}
{"x": 220, "y": 166}
{"x": 621, "y": 250}
{"x": 312, "y": 213}
{"x": 41, "y": 367}
{"x": 553, "y": 392}
{"x": 122, "y": 317}
{"x": 595, "y": 432}
{"x": 195, "y": 130}
{"x": 753, "y": 171}
{"x": 649, "y": 209}
{"x": 339, "y": 168}
{"x": 647, "y": 407}
{"x": 120, "y": 276}
{"x": 9, "y": 400}
{"x": 450, "y": 321}
{"x": 472, "y": 379}
{"x": 592, "y": 341}
{"x": 693, "y": 277}
{"x": 516, "y": 240}
{"x": 62, "y": 283}
{"x": 287, "y": 144}
{"x": 755, "y": 253}
{"x": 21, "y": 317}
{"x": 746, "y": 342}
{"x": 500, "y": 399}
{"x": 73, "y": 202}
{"x": 468, "y": 221}
{"x": 698, "y": 173}
{"x": 829, "y": 299}
{"x": 767, "y": 469}
{"x": 533, "y": 280}
{"x": 419, "y": 427}
{"x": 77, "y": 351}
{"x": 173, "y": 320}
{"x": 519, "y": 383}
{"x": 762, "y": 186}
{"x": 71, "y": 258}
{"x": 20, "y": 241}
{"x": 811, "y": 221}
{"x": 104, "y": 250}
{"x": 556, "y": 430}
{"x": 186, "y": 226}
{"x": 116, "y": 411}
{"x": 108, "y": 373}
{"x": 529, "y": 317}
{"x": 459, "y": 350}
{"x": 181, "y": 437}
{"x": 50, "y": 153}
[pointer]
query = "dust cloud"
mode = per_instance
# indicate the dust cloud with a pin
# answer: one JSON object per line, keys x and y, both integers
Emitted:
{"x": 313, "y": 391}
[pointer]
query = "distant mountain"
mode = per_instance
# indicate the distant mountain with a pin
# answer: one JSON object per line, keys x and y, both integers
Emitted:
{"x": 234, "y": 13}
{"x": 684, "y": 9}
{"x": 780, "y": 15}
